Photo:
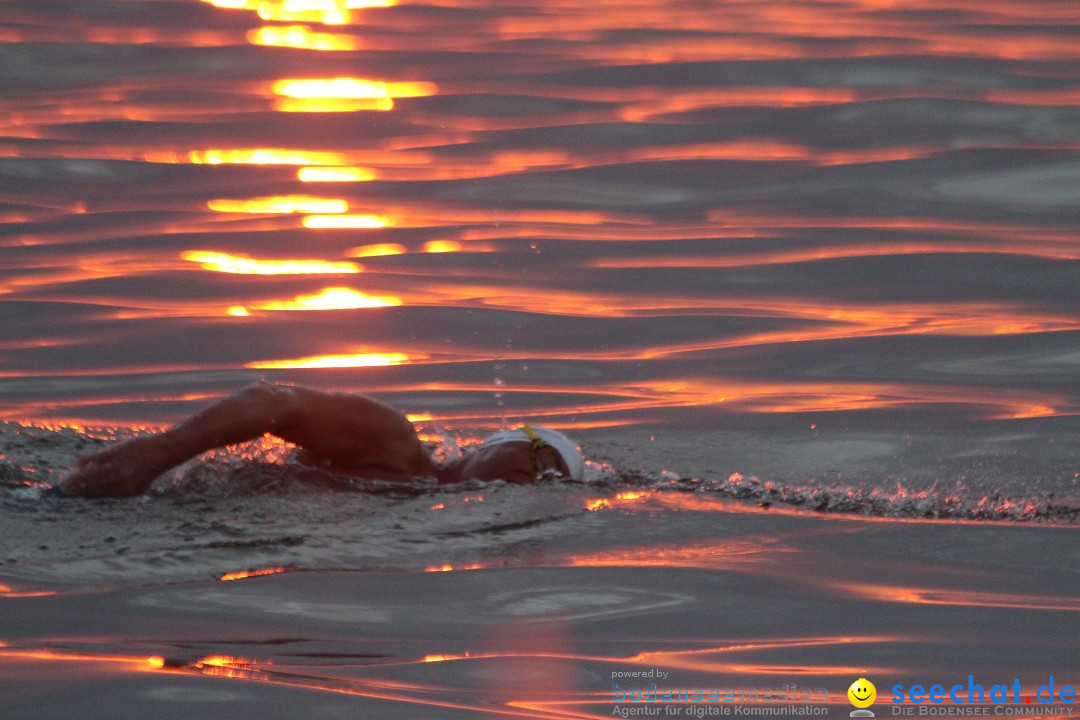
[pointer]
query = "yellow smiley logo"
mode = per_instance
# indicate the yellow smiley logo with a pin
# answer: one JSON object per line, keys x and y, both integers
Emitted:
{"x": 862, "y": 693}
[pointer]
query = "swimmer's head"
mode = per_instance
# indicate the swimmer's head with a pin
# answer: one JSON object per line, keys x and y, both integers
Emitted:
{"x": 564, "y": 446}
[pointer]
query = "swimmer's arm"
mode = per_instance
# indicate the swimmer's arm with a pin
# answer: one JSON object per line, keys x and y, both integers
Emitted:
{"x": 345, "y": 430}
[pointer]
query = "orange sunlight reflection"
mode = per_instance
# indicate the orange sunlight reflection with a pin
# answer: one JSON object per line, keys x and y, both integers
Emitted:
{"x": 330, "y": 105}
{"x": 232, "y": 667}
{"x": 735, "y": 395}
{"x": 709, "y": 659}
{"x": 967, "y": 598}
{"x": 240, "y": 265}
{"x": 452, "y": 568}
{"x": 338, "y": 361}
{"x": 9, "y": 592}
{"x": 327, "y": 12}
{"x": 821, "y": 320}
{"x": 754, "y": 552}
{"x": 142, "y": 663}
{"x": 242, "y": 574}
{"x": 550, "y": 692}
{"x": 795, "y": 397}
{"x": 854, "y": 250}
{"x": 377, "y": 250}
{"x": 253, "y": 156}
{"x": 226, "y": 660}
{"x": 299, "y": 36}
{"x": 281, "y": 204}
{"x": 344, "y": 94}
{"x": 336, "y": 174}
{"x": 620, "y": 498}
{"x": 442, "y": 246}
{"x": 336, "y": 298}
{"x": 343, "y": 222}
{"x": 706, "y": 659}
{"x": 348, "y": 88}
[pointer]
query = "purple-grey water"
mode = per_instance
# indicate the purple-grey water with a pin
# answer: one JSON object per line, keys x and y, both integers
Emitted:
{"x": 761, "y": 258}
{"x": 813, "y": 243}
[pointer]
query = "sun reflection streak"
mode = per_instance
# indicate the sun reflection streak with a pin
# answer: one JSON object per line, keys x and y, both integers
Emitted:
{"x": 442, "y": 246}
{"x": 8, "y": 592}
{"x": 136, "y": 663}
{"x": 240, "y": 265}
{"x": 829, "y": 320}
{"x": 344, "y": 94}
{"x": 447, "y": 567}
{"x": 1053, "y": 251}
{"x": 332, "y": 105}
{"x": 244, "y": 574}
{"x": 227, "y": 661}
{"x": 966, "y": 598}
{"x": 253, "y": 156}
{"x": 732, "y": 395}
{"x": 349, "y": 88}
{"x": 327, "y": 12}
{"x": 280, "y": 204}
{"x": 335, "y": 298}
{"x": 336, "y": 174}
{"x": 377, "y": 250}
{"x": 752, "y": 552}
{"x": 555, "y": 697}
{"x": 352, "y": 360}
{"x": 344, "y": 222}
{"x": 300, "y": 36}
{"x": 231, "y": 667}
{"x": 620, "y": 498}
{"x": 700, "y": 660}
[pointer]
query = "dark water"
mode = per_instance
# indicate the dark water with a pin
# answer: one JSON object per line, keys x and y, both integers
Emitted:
{"x": 801, "y": 277}
{"x": 797, "y": 252}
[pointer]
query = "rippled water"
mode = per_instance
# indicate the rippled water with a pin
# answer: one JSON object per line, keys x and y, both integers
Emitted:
{"x": 761, "y": 257}
{"x": 794, "y": 251}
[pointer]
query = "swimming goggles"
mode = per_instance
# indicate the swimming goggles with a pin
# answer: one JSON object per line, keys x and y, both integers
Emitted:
{"x": 545, "y": 459}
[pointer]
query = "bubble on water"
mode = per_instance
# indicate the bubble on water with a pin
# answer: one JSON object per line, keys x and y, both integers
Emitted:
{"x": 597, "y": 471}
{"x": 448, "y": 450}
{"x": 499, "y": 382}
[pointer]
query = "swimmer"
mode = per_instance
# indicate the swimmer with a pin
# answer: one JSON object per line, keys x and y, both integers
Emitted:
{"x": 342, "y": 433}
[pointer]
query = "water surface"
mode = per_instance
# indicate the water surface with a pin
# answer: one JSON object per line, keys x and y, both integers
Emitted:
{"x": 815, "y": 244}
{"x": 800, "y": 276}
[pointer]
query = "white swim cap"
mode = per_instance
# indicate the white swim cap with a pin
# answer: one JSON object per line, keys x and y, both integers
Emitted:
{"x": 563, "y": 445}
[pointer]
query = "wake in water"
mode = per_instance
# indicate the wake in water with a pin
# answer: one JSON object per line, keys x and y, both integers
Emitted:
{"x": 897, "y": 503}
{"x": 251, "y": 507}
{"x": 35, "y": 458}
